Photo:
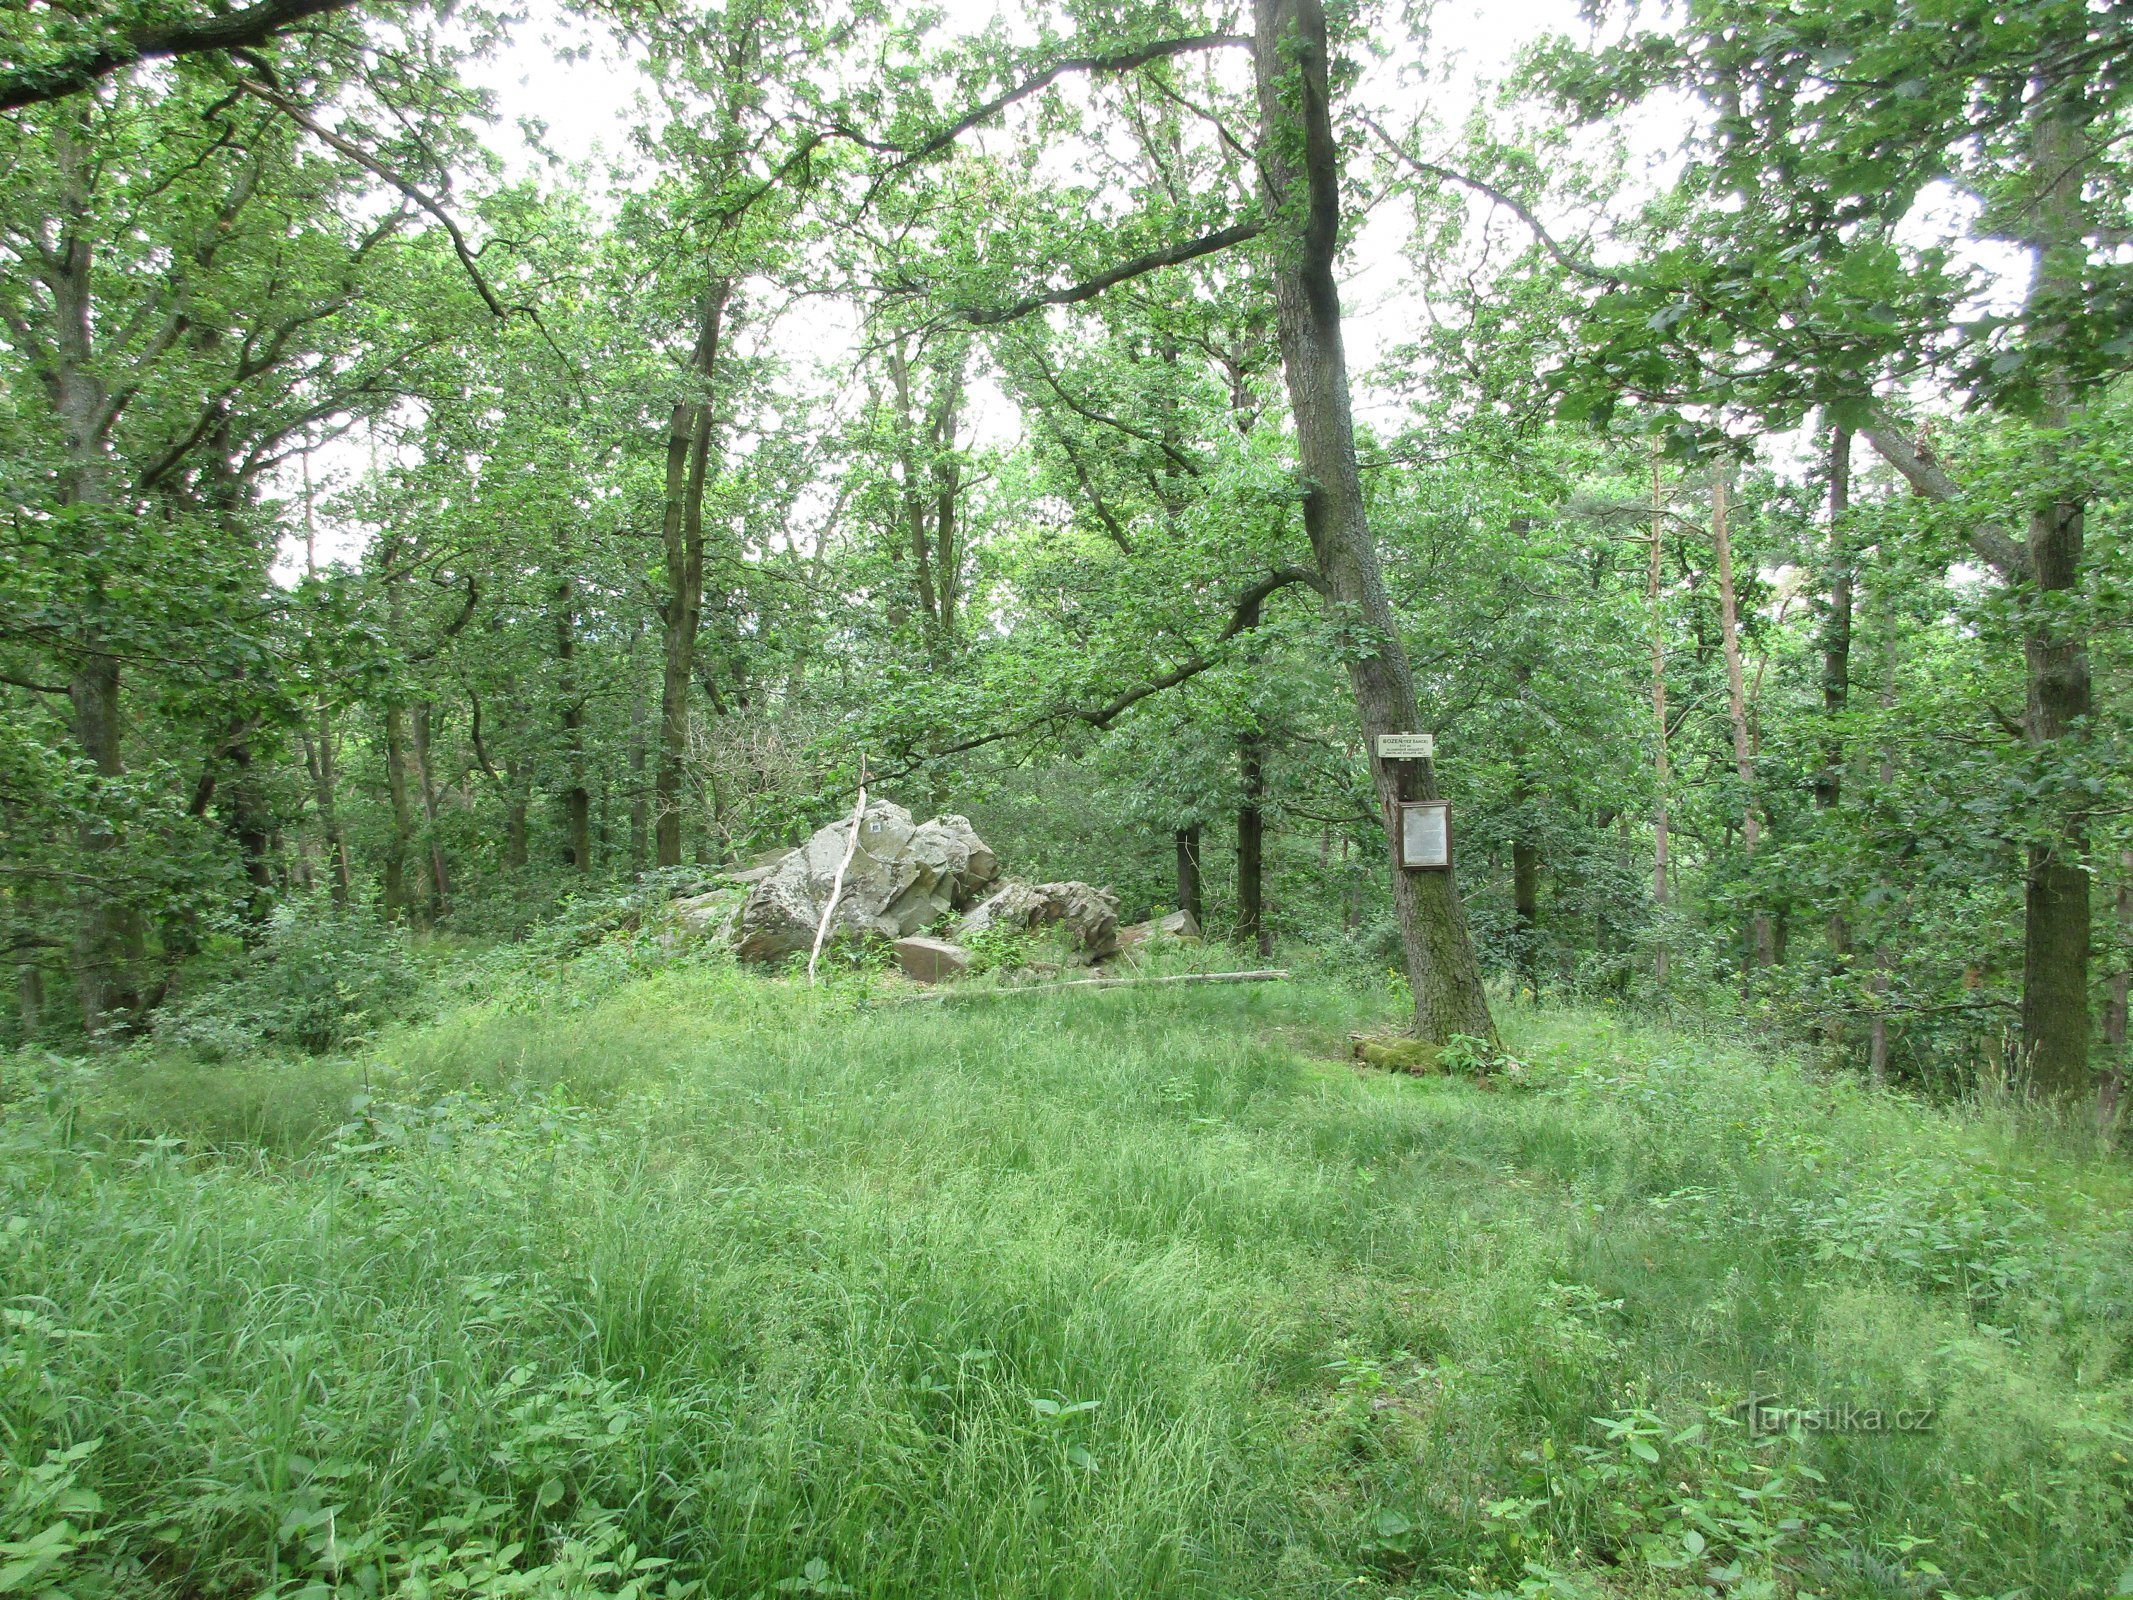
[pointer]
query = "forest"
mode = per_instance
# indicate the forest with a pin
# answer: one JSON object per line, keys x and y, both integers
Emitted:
{"x": 498, "y": 502}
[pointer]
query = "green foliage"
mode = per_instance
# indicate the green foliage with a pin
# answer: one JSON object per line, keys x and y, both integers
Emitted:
{"x": 318, "y": 980}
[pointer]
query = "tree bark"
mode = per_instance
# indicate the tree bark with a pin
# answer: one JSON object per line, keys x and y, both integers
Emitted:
{"x": 1661, "y": 762}
{"x": 1760, "y": 950}
{"x": 2055, "y": 955}
{"x": 1837, "y": 688}
{"x": 1299, "y": 165}
{"x": 440, "y": 881}
{"x": 1251, "y": 844}
{"x": 577, "y": 799}
{"x": 1189, "y": 901}
{"x": 397, "y": 903}
{"x": 319, "y": 764}
{"x": 689, "y": 431}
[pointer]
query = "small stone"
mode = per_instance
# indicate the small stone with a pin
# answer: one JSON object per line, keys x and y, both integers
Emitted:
{"x": 931, "y": 960}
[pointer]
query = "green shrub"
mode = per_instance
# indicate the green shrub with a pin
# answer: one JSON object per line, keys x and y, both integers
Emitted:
{"x": 320, "y": 980}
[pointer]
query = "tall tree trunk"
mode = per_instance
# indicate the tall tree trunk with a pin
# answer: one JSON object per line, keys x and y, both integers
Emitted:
{"x": 1837, "y": 687}
{"x": 397, "y": 901}
{"x": 1662, "y": 775}
{"x": 1525, "y": 853}
{"x": 319, "y": 765}
{"x": 252, "y": 830}
{"x": 640, "y": 801}
{"x": 1251, "y": 844}
{"x": 689, "y": 432}
{"x": 518, "y": 795}
{"x": 577, "y": 799}
{"x": 2055, "y": 953}
{"x": 108, "y": 947}
{"x": 1189, "y": 901}
{"x": 1761, "y": 943}
{"x": 1877, "y": 1044}
{"x": 108, "y": 944}
{"x": 440, "y": 882}
{"x": 1299, "y": 165}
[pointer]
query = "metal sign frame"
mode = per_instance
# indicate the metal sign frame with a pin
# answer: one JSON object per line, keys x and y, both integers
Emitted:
{"x": 1418, "y": 819}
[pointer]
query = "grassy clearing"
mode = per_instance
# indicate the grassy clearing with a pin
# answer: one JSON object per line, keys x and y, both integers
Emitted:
{"x": 712, "y": 1286}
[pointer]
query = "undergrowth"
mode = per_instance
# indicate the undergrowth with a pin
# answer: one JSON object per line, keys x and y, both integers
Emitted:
{"x": 629, "y": 1276}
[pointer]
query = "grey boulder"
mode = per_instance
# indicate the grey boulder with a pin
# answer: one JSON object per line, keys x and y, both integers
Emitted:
{"x": 1178, "y": 925}
{"x": 903, "y": 877}
{"x": 1089, "y": 914}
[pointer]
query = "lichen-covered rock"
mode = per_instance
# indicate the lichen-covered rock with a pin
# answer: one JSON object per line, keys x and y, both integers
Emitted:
{"x": 1089, "y": 914}
{"x": 1012, "y": 905}
{"x": 903, "y": 877}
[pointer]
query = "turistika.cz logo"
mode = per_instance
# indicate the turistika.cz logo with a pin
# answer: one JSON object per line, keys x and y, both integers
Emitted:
{"x": 1766, "y": 1415}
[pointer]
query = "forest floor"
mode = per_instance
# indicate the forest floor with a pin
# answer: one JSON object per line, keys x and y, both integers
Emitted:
{"x": 708, "y": 1284}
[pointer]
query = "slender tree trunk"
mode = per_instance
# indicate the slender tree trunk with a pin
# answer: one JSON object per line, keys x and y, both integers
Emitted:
{"x": 1251, "y": 844}
{"x": 109, "y": 947}
{"x": 682, "y": 536}
{"x": 440, "y": 882}
{"x": 1761, "y": 943}
{"x": 1661, "y": 763}
{"x": 1189, "y": 901}
{"x": 1299, "y": 164}
{"x": 1525, "y": 853}
{"x": 108, "y": 944}
{"x": 1877, "y": 1047}
{"x": 518, "y": 794}
{"x": 640, "y": 800}
{"x": 577, "y": 799}
{"x": 397, "y": 902}
{"x": 1837, "y": 688}
{"x": 319, "y": 766}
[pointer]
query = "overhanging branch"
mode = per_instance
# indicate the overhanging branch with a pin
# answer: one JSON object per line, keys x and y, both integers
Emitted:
{"x": 255, "y": 25}
{"x": 1110, "y": 62}
{"x": 1169, "y": 255}
{"x": 1517, "y": 208}
{"x": 1243, "y": 617}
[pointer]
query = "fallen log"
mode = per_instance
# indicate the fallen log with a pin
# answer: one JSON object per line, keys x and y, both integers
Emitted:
{"x": 1261, "y": 975}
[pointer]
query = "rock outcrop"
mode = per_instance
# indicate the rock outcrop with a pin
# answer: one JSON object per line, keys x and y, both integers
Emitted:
{"x": 1178, "y": 925}
{"x": 1089, "y": 914}
{"x": 903, "y": 877}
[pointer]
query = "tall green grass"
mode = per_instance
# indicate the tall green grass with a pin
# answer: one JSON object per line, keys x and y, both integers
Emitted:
{"x": 712, "y": 1285}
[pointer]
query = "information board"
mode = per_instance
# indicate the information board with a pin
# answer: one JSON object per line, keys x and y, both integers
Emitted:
{"x": 1406, "y": 746}
{"x": 1425, "y": 833}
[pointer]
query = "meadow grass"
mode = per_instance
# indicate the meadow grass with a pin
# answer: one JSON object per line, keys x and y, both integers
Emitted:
{"x": 694, "y": 1282}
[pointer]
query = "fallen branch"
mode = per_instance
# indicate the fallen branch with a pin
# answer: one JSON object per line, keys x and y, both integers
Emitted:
{"x": 851, "y": 849}
{"x": 1262, "y": 975}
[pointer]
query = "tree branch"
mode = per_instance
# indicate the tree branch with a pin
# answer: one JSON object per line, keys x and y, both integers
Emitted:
{"x": 1925, "y": 474}
{"x": 1116, "y": 61}
{"x": 1169, "y": 256}
{"x": 1517, "y": 208}
{"x": 237, "y": 30}
{"x": 1241, "y": 619}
